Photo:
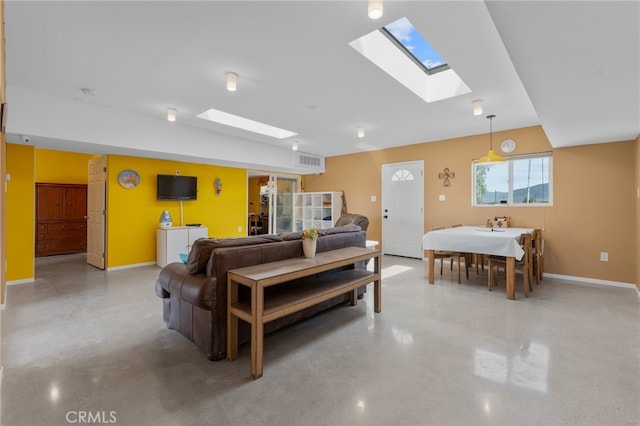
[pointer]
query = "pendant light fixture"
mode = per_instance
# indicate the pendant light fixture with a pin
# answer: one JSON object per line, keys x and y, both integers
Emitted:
{"x": 491, "y": 156}
{"x": 375, "y": 9}
{"x": 294, "y": 145}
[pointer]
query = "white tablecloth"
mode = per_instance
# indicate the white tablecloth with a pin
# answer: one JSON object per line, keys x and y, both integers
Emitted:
{"x": 475, "y": 239}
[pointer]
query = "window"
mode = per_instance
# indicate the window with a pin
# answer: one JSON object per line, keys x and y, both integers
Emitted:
{"x": 521, "y": 180}
{"x": 402, "y": 174}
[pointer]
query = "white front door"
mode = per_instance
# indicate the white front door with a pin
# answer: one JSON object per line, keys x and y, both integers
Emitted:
{"x": 403, "y": 209}
{"x": 96, "y": 212}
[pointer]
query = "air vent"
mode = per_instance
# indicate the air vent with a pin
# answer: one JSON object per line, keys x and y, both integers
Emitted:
{"x": 309, "y": 161}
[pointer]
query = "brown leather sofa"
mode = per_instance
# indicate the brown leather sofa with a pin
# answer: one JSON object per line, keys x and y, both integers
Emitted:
{"x": 194, "y": 295}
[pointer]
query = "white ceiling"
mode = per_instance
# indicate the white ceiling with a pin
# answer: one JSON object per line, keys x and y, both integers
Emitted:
{"x": 572, "y": 67}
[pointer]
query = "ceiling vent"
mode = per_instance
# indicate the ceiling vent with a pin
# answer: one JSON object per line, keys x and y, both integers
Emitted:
{"x": 308, "y": 161}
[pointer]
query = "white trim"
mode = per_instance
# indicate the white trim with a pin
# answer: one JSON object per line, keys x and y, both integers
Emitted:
{"x": 133, "y": 265}
{"x": 589, "y": 280}
{"x": 23, "y": 281}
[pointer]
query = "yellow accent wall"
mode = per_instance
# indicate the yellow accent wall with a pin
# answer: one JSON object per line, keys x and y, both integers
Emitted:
{"x": 595, "y": 206}
{"x": 61, "y": 166}
{"x": 133, "y": 214}
{"x": 20, "y": 212}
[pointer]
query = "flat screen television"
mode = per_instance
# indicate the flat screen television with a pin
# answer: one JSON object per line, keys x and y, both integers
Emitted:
{"x": 176, "y": 187}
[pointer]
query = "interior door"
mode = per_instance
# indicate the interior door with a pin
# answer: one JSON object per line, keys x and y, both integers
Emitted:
{"x": 281, "y": 203}
{"x": 403, "y": 209}
{"x": 96, "y": 212}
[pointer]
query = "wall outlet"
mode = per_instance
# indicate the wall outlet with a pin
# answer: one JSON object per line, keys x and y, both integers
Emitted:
{"x": 240, "y": 228}
{"x": 373, "y": 198}
{"x": 441, "y": 197}
{"x": 604, "y": 256}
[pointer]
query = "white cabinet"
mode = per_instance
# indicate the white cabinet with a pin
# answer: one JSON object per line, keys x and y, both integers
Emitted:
{"x": 318, "y": 210}
{"x": 170, "y": 242}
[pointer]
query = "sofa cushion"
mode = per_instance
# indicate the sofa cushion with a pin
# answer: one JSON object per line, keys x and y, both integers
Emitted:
{"x": 202, "y": 248}
{"x": 290, "y": 236}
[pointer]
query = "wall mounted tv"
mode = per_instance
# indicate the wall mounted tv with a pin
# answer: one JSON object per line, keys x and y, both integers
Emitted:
{"x": 176, "y": 187}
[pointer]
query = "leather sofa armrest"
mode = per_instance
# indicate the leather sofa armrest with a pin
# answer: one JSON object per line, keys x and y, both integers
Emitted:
{"x": 198, "y": 290}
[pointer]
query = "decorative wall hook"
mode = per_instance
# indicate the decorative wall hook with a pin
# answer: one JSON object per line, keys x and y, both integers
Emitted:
{"x": 446, "y": 174}
{"x": 217, "y": 185}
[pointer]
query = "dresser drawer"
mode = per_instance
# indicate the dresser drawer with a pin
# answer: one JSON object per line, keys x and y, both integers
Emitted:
{"x": 61, "y": 246}
{"x": 62, "y": 226}
{"x": 61, "y": 235}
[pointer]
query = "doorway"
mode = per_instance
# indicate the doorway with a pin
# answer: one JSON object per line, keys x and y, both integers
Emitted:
{"x": 270, "y": 202}
{"x": 403, "y": 209}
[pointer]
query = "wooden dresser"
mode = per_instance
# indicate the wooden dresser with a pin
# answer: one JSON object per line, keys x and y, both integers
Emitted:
{"x": 61, "y": 219}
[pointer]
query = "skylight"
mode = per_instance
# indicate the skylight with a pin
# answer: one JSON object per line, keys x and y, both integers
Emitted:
{"x": 415, "y": 45}
{"x": 400, "y": 51}
{"x": 238, "y": 122}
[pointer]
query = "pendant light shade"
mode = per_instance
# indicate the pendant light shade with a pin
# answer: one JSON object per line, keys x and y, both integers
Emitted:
{"x": 491, "y": 156}
{"x": 375, "y": 9}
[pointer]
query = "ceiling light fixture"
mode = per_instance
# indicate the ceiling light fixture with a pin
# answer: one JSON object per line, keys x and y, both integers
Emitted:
{"x": 360, "y": 131}
{"x": 375, "y": 9}
{"x": 294, "y": 145}
{"x": 491, "y": 156}
{"x": 232, "y": 81}
{"x": 477, "y": 107}
{"x": 171, "y": 114}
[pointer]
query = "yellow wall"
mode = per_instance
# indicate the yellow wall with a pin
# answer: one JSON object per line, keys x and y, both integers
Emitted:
{"x": 62, "y": 167}
{"x": 133, "y": 214}
{"x": 593, "y": 207}
{"x": 20, "y": 211}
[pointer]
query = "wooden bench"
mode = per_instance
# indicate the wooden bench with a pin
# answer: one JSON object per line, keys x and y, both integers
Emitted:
{"x": 310, "y": 291}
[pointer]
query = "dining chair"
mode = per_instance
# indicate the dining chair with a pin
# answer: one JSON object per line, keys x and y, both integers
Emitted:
{"x": 537, "y": 254}
{"x": 255, "y": 226}
{"x": 451, "y": 255}
{"x": 525, "y": 265}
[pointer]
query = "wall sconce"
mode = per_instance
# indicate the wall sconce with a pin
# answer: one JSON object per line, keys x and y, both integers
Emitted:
{"x": 217, "y": 185}
{"x": 477, "y": 107}
{"x": 232, "y": 81}
{"x": 375, "y": 9}
{"x": 171, "y": 114}
{"x": 360, "y": 131}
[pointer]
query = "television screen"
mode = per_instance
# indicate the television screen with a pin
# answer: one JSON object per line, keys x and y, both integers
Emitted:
{"x": 176, "y": 187}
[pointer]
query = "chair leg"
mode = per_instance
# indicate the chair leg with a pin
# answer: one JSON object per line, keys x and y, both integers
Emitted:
{"x": 459, "y": 280}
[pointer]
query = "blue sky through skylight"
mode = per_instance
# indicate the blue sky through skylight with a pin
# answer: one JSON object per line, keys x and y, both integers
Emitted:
{"x": 407, "y": 35}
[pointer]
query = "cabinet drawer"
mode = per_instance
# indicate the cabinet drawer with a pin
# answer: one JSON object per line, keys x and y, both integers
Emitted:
{"x": 64, "y": 226}
{"x": 61, "y": 246}
{"x": 61, "y": 235}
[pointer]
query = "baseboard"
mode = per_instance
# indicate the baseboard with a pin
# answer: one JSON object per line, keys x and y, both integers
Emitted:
{"x": 133, "y": 265}
{"x": 23, "y": 281}
{"x": 590, "y": 280}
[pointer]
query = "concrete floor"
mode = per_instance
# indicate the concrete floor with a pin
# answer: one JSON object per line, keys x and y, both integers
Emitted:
{"x": 82, "y": 345}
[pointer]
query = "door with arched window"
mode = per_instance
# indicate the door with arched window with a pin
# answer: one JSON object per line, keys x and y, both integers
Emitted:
{"x": 403, "y": 209}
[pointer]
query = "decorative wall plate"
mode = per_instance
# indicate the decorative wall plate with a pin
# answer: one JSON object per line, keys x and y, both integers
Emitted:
{"x": 508, "y": 145}
{"x": 129, "y": 179}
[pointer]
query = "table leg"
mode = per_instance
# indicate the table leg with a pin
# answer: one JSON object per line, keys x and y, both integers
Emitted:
{"x": 511, "y": 278}
{"x": 257, "y": 331}
{"x": 232, "y": 322}
{"x": 377, "y": 287}
{"x": 432, "y": 265}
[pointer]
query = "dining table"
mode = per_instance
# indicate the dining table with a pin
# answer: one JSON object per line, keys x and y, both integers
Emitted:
{"x": 481, "y": 240}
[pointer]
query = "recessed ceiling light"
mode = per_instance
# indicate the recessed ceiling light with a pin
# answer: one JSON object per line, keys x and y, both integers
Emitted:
{"x": 477, "y": 107}
{"x": 294, "y": 145}
{"x": 375, "y": 9}
{"x": 171, "y": 114}
{"x": 360, "y": 131}
{"x": 238, "y": 122}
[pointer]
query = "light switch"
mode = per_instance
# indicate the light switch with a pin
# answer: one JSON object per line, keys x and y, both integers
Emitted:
{"x": 373, "y": 198}
{"x": 441, "y": 197}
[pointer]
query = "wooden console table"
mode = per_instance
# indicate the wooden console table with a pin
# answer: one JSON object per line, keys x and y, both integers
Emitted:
{"x": 311, "y": 291}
